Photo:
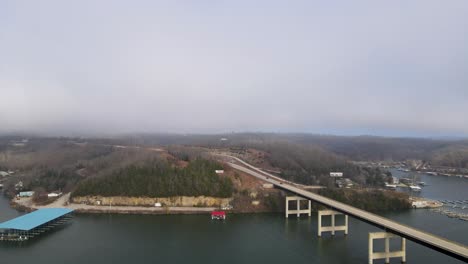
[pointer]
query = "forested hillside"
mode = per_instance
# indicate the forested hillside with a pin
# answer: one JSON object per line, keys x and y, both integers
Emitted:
{"x": 58, "y": 164}
{"x": 453, "y": 156}
{"x": 312, "y": 165}
{"x": 159, "y": 179}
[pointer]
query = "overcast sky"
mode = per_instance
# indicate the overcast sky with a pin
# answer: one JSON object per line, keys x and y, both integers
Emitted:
{"x": 341, "y": 67}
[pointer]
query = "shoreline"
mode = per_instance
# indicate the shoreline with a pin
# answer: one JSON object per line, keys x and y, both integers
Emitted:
{"x": 120, "y": 210}
{"x": 144, "y": 210}
{"x": 26, "y": 205}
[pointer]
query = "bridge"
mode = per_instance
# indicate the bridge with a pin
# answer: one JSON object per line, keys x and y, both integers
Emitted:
{"x": 392, "y": 228}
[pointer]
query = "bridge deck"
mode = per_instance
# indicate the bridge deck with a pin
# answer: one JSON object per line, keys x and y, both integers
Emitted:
{"x": 443, "y": 245}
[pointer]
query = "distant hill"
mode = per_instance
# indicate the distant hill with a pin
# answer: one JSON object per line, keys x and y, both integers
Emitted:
{"x": 442, "y": 152}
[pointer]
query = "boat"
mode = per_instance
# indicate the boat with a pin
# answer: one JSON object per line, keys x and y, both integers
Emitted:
{"x": 421, "y": 183}
{"x": 415, "y": 188}
{"x": 218, "y": 215}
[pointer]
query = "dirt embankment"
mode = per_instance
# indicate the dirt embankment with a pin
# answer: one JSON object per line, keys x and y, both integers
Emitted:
{"x": 253, "y": 195}
{"x": 179, "y": 201}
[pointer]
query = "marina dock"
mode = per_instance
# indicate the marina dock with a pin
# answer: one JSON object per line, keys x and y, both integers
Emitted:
{"x": 454, "y": 209}
{"x": 30, "y": 225}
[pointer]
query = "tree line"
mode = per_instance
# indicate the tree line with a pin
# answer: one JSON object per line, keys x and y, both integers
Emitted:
{"x": 369, "y": 200}
{"x": 159, "y": 179}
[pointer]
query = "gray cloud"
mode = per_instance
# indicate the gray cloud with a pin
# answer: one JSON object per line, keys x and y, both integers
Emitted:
{"x": 207, "y": 66}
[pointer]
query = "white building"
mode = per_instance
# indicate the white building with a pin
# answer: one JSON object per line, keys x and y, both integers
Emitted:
{"x": 26, "y": 194}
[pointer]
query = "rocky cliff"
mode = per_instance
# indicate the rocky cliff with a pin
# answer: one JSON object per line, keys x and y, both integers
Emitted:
{"x": 185, "y": 201}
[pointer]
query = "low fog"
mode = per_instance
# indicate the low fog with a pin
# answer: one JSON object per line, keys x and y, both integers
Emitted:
{"x": 348, "y": 67}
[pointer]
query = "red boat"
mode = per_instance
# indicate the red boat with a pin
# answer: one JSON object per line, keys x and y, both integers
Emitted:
{"x": 218, "y": 215}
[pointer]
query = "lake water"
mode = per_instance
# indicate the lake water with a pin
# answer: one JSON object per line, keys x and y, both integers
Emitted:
{"x": 242, "y": 238}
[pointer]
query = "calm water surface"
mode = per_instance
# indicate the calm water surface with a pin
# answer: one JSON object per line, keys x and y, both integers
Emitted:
{"x": 249, "y": 238}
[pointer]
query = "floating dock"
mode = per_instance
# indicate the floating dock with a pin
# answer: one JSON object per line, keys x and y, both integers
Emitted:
{"x": 30, "y": 225}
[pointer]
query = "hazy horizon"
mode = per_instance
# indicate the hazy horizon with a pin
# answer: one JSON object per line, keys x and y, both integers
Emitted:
{"x": 395, "y": 69}
{"x": 117, "y": 135}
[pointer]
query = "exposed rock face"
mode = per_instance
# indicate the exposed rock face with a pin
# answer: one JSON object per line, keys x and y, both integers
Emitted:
{"x": 185, "y": 201}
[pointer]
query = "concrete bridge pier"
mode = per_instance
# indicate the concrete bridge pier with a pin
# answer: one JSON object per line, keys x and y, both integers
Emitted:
{"x": 298, "y": 210}
{"x": 332, "y": 228}
{"x": 387, "y": 254}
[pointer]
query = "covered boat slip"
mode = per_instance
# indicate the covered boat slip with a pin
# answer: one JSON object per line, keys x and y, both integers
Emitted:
{"x": 29, "y": 225}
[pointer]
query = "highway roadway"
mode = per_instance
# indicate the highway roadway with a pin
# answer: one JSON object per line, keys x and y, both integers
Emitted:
{"x": 440, "y": 244}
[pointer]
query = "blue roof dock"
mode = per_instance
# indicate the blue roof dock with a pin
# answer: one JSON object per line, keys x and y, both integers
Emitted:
{"x": 34, "y": 219}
